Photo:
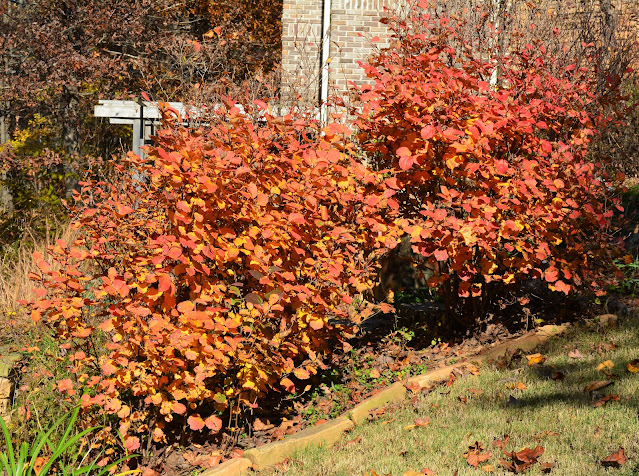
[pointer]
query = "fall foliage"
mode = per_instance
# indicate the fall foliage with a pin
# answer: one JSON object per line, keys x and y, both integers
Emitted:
{"x": 233, "y": 260}
{"x": 231, "y": 269}
{"x": 492, "y": 181}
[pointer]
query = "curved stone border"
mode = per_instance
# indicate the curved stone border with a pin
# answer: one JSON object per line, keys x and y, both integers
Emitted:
{"x": 7, "y": 382}
{"x": 330, "y": 432}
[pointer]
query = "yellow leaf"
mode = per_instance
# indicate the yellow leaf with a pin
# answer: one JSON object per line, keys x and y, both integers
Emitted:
{"x": 409, "y": 427}
{"x": 608, "y": 364}
{"x": 535, "y": 359}
{"x": 489, "y": 468}
{"x": 633, "y": 366}
{"x": 413, "y": 473}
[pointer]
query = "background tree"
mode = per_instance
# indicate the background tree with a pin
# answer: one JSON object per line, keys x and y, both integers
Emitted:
{"x": 60, "y": 58}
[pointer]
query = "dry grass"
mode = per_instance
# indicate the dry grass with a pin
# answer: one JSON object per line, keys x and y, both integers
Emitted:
{"x": 16, "y": 265}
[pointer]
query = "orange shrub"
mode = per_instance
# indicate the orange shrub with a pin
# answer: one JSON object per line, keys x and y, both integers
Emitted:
{"x": 492, "y": 182}
{"x": 226, "y": 271}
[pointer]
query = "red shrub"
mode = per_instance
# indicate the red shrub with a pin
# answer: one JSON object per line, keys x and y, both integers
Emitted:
{"x": 492, "y": 181}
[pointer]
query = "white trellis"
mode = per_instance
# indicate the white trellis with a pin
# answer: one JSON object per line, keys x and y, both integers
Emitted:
{"x": 143, "y": 116}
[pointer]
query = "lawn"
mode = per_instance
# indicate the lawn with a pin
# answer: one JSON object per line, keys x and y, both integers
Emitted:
{"x": 543, "y": 405}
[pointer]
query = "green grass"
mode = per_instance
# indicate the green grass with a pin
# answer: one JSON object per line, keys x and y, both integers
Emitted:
{"x": 586, "y": 434}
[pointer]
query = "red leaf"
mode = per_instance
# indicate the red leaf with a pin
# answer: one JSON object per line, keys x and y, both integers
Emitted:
{"x": 132, "y": 443}
{"x": 406, "y": 163}
{"x": 441, "y": 255}
{"x": 501, "y": 166}
{"x": 164, "y": 283}
{"x": 428, "y": 132}
{"x": 616, "y": 459}
{"x": 474, "y": 455}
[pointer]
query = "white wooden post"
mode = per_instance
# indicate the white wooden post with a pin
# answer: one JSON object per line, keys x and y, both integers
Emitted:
{"x": 141, "y": 116}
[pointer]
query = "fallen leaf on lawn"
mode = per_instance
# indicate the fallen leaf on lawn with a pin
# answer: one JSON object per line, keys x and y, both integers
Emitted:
{"x": 376, "y": 413}
{"x": 419, "y": 422}
{"x": 283, "y": 466}
{"x": 633, "y": 366}
{"x": 547, "y": 467}
{"x": 522, "y": 459}
{"x": 558, "y": 377}
{"x": 389, "y": 421}
{"x": 474, "y": 455}
{"x": 451, "y": 379}
{"x": 610, "y": 376}
{"x": 518, "y": 386}
{"x": 535, "y": 359}
{"x": 348, "y": 443}
{"x": 605, "y": 347}
{"x": 608, "y": 398}
{"x": 615, "y": 459}
{"x": 414, "y": 387}
{"x": 428, "y": 472}
{"x": 597, "y": 385}
{"x": 476, "y": 392}
{"x": 607, "y": 364}
{"x": 489, "y": 468}
{"x": 501, "y": 444}
{"x": 473, "y": 369}
{"x": 422, "y": 421}
{"x": 575, "y": 354}
{"x": 413, "y": 473}
{"x": 462, "y": 399}
{"x": 546, "y": 433}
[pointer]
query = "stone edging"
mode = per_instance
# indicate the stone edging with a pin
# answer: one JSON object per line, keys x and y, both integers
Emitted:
{"x": 330, "y": 432}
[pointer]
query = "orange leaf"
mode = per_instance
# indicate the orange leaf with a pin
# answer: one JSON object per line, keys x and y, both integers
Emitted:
{"x": 535, "y": 359}
{"x": 301, "y": 374}
{"x": 213, "y": 423}
{"x": 616, "y": 459}
{"x": 288, "y": 385}
{"x": 195, "y": 422}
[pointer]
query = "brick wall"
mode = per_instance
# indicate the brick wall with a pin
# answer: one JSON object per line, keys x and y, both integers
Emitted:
{"x": 349, "y": 20}
{"x": 354, "y": 22}
{"x": 302, "y": 43}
